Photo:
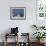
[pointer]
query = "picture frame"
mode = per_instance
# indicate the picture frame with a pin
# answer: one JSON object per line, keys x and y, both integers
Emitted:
{"x": 41, "y": 12}
{"x": 18, "y": 13}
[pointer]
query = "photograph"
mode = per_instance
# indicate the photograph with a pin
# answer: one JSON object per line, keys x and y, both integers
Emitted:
{"x": 18, "y": 13}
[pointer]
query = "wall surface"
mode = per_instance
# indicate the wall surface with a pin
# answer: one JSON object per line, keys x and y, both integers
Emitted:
{"x": 24, "y": 25}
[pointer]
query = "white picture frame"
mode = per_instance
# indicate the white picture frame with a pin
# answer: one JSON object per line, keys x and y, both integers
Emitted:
{"x": 18, "y": 13}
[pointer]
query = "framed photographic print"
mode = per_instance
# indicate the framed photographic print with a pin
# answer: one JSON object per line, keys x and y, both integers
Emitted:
{"x": 18, "y": 13}
{"x": 41, "y": 12}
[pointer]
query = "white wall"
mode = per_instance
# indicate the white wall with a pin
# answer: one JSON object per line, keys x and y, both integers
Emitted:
{"x": 24, "y": 25}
